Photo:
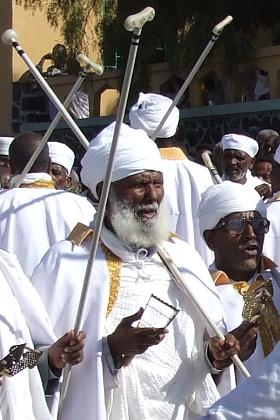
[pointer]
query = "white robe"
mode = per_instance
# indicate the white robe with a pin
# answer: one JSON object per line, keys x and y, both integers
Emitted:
{"x": 184, "y": 182}
{"x": 23, "y": 319}
{"x": 168, "y": 379}
{"x": 255, "y": 399}
{"x": 32, "y": 219}
{"x": 271, "y": 247}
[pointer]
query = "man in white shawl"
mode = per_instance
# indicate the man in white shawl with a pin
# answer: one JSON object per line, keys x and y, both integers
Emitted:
{"x": 163, "y": 381}
{"x": 23, "y": 319}
{"x": 272, "y": 240}
{"x": 233, "y": 221}
{"x": 36, "y": 215}
{"x": 238, "y": 158}
{"x": 184, "y": 180}
{"x": 256, "y": 398}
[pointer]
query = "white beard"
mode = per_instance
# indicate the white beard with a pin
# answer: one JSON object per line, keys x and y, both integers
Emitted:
{"x": 135, "y": 232}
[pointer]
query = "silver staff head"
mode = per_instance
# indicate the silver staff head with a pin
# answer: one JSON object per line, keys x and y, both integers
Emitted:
{"x": 221, "y": 25}
{"x": 139, "y": 19}
{"x": 89, "y": 64}
{"x": 9, "y": 36}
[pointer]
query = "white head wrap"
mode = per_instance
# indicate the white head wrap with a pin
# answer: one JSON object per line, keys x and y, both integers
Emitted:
{"x": 61, "y": 155}
{"x": 240, "y": 142}
{"x": 220, "y": 200}
{"x": 277, "y": 155}
{"x": 148, "y": 112}
{"x": 135, "y": 153}
{"x": 4, "y": 145}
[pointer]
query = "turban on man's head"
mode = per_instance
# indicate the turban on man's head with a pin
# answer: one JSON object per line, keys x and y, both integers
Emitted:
{"x": 220, "y": 200}
{"x": 148, "y": 112}
{"x": 240, "y": 142}
{"x": 5, "y": 144}
{"x": 61, "y": 154}
{"x": 135, "y": 153}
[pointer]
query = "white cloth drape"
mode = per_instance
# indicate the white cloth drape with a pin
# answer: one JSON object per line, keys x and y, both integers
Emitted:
{"x": 23, "y": 319}
{"x": 31, "y": 220}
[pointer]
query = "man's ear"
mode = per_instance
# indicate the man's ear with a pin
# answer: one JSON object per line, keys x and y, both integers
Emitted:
{"x": 209, "y": 236}
{"x": 253, "y": 160}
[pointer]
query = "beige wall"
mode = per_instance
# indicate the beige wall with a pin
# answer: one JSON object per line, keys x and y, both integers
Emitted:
{"x": 5, "y": 69}
{"x": 34, "y": 35}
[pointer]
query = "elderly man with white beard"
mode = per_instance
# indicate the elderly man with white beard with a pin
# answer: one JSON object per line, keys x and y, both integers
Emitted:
{"x": 148, "y": 373}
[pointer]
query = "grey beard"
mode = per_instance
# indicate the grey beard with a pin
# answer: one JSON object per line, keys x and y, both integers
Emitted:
{"x": 135, "y": 232}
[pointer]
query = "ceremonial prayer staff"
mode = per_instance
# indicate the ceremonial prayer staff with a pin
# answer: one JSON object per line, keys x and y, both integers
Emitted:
{"x": 90, "y": 66}
{"x": 210, "y": 166}
{"x": 9, "y": 37}
{"x": 184, "y": 286}
{"x": 133, "y": 23}
{"x": 216, "y": 31}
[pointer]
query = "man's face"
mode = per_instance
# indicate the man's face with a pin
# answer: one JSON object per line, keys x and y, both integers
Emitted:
{"x": 235, "y": 165}
{"x": 236, "y": 252}
{"x": 134, "y": 211}
{"x": 141, "y": 189}
{"x": 60, "y": 176}
{"x": 275, "y": 177}
{"x": 262, "y": 170}
{"x": 5, "y": 171}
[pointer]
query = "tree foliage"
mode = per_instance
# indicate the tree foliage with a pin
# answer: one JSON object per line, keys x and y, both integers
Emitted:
{"x": 179, "y": 30}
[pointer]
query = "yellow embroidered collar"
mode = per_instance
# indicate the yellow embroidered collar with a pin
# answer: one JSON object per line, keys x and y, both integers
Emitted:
{"x": 172, "y": 153}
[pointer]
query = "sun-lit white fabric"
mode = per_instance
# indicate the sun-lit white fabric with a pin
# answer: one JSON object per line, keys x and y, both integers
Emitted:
{"x": 277, "y": 155}
{"x": 257, "y": 398}
{"x": 32, "y": 219}
{"x": 167, "y": 380}
{"x": 240, "y": 142}
{"x": 220, "y": 200}
{"x": 135, "y": 153}
{"x": 5, "y": 144}
{"x": 184, "y": 182}
{"x": 23, "y": 320}
{"x": 61, "y": 155}
{"x": 148, "y": 112}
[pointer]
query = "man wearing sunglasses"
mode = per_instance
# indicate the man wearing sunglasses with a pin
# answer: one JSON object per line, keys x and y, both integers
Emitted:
{"x": 233, "y": 222}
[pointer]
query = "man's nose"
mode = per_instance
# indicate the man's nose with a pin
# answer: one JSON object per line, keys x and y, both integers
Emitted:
{"x": 151, "y": 193}
{"x": 249, "y": 231}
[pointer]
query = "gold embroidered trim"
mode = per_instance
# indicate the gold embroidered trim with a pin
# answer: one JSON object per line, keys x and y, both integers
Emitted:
{"x": 114, "y": 268}
{"x": 258, "y": 303}
{"x": 172, "y": 153}
{"x": 79, "y": 234}
{"x": 40, "y": 184}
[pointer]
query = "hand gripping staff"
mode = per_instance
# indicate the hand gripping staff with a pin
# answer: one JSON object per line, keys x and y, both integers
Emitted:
{"x": 89, "y": 66}
{"x": 216, "y": 31}
{"x": 183, "y": 285}
{"x": 9, "y": 37}
{"x": 133, "y": 23}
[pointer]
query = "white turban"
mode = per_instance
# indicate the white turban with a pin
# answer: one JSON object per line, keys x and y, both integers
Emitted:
{"x": 61, "y": 154}
{"x": 220, "y": 200}
{"x": 277, "y": 155}
{"x": 240, "y": 142}
{"x": 135, "y": 153}
{"x": 4, "y": 145}
{"x": 148, "y": 112}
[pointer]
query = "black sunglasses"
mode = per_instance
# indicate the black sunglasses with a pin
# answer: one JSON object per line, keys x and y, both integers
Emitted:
{"x": 238, "y": 226}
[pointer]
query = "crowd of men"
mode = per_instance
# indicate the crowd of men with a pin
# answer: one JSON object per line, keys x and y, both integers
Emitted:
{"x": 177, "y": 254}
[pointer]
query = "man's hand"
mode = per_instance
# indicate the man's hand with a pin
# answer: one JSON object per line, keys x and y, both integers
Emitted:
{"x": 68, "y": 349}
{"x": 129, "y": 341}
{"x": 246, "y": 334}
{"x": 264, "y": 190}
{"x": 220, "y": 351}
